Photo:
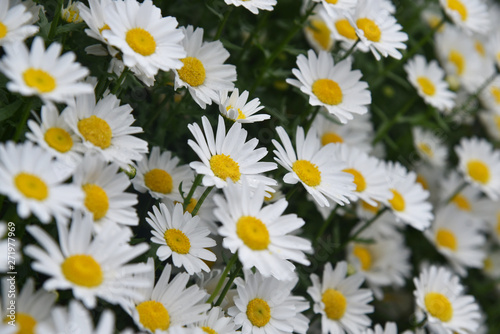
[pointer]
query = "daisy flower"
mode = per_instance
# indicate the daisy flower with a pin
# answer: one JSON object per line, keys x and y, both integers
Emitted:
{"x": 253, "y": 5}
{"x": 94, "y": 18}
{"x": 467, "y": 201}
{"x": 44, "y": 73}
{"x": 440, "y": 296}
{"x": 390, "y": 328}
{"x": 340, "y": 301}
{"x": 105, "y": 128}
{"x": 334, "y": 7}
{"x": 491, "y": 121}
{"x": 318, "y": 34}
{"x": 161, "y": 175}
{"x": 490, "y": 95}
{"x": 341, "y": 29}
{"x": 70, "y": 13}
{"x": 228, "y": 155}
{"x": 204, "y": 72}
{"x": 266, "y": 305}
{"x": 147, "y": 40}
{"x": 90, "y": 266}
{"x": 15, "y": 23}
{"x": 428, "y": 79}
{"x": 30, "y": 177}
{"x": 334, "y": 87}
{"x": 261, "y": 235}
{"x": 106, "y": 200}
{"x": 480, "y": 164}
{"x": 181, "y": 237}
{"x": 378, "y": 29}
{"x": 471, "y": 15}
{"x": 216, "y": 322}
{"x": 409, "y": 201}
{"x": 236, "y": 108}
{"x": 319, "y": 169}
{"x": 429, "y": 146}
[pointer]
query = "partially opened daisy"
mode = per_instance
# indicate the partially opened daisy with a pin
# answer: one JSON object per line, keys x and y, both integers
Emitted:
{"x": 480, "y": 164}
{"x": 204, "y": 72}
{"x": 428, "y": 79}
{"x": 253, "y": 5}
{"x": 90, "y": 266}
{"x": 30, "y": 177}
{"x": 335, "y": 87}
{"x": 430, "y": 146}
{"x": 228, "y": 155}
{"x": 319, "y": 169}
{"x": 236, "y": 108}
{"x": 471, "y": 15}
{"x": 340, "y": 301}
{"x": 44, "y": 73}
{"x": 318, "y": 34}
{"x": 15, "y": 23}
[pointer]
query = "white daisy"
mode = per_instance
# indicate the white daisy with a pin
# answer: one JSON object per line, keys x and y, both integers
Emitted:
{"x": 480, "y": 164}
{"x": 204, "y": 72}
{"x": 471, "y": 15}
{"x": 319, "y": 169}
{"x": 70, "y": 13}
{"x": 105, "y": 128}
{"x": 147, "y": 40}
{"x": 490, "y": 95}
{"x": 430, "y": 146}
{"x": 44, "y": 73}
{"x": 340, "y": 301}
{"x": 181, "y": 237}
{"x": 428, "y": 79}
{"x": 90, "y": 266}
{"x": 335, "y": 87}
{"x": 228, "y": 155}
{"x": 489, "y": 211}
{"x": 216, "y": 322}
{"x": 491, "y": 121}
{"x": 30, "y": 177}
{"x": 94, "y": 18}
{"x": 236, "y": 108}
{"x": 260, "y": 235}
{"x": 15, "y": 23}
{"x": 253, "y": 5}
{"x": 334, "y": 7}
{"x": 390, "y": 328}
{"x": 318, "y": 34}
{"x": 440, "y": 295}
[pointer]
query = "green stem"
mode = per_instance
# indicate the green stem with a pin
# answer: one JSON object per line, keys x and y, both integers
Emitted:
{"x": 222, "y": 24}
{"x": 25, "y": 112}
{"x": 196, "y": 183}
{"x": 201, "y": 200}
{"x": 292, "y": 192}
{"x": 311, "y": 120}
{"x": 261, "y": 23}
{"x": 120, "y": 81}
{"x": 231, "y": 262}
{"x": 348, "y": 52}
{"x": 456, "y": 192}
{"x": 228, "y": 284}
{"x": 55, "y": 20}
{"x": 327, "y": 222}
{"x": 368, "y": 223}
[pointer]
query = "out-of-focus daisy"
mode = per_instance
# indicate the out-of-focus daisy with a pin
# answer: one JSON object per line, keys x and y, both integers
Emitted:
{"x": 90, "y": 266}
{"x": 29, "y": 177}
{"x": 334, "y": 87}
{"x": 491, "y": 121}
{"x": 480, "y": 164}
{"x": 429, "y": 146}
{"x": 384, "y": 226}
{"x": 15, "y": 23}
{"x": 490, "y": 95}
{"x": 71, "y": 13}
{"x": 147, "y": 40}
{"x": 471, "y": 15}
{"x": 490, "y": 213}
{"x": 378, "y": 29}
{"x": 318, "y": 34}
{"x": 432, "y": 15}
{"x": 428, "y": 79}
{"x": 340, "y": 301}
{"x": 161, "y": 175}
{"x": 236, "y": 108}
{"x": 265, "y": 305}
{"x": 105, "y": 128}
{"x": 253, "y": 5}
{"x": 491, "y": 265}
{"x": 181, "y": 237}
{"x": 319, "y": 169}
{"x": 216, "y": 322}
{"x": 439, "y": 295}
{"x": 261, "y": 235}
{"x": 390, "y": 328}
{"x": 228, "y": 155}
{"x": 204, "y": 72}
{"x": 409, "y": 201}
{"x": 45, "y": 73}
{"x": 106, "y": 200}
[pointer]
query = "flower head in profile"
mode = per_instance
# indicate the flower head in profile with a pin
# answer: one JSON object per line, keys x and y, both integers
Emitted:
{"x": 236, "y": 108}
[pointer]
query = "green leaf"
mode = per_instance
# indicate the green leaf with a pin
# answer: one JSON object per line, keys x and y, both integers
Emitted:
{"x": 9, "y": 110}
{"x": 64, "y": 29}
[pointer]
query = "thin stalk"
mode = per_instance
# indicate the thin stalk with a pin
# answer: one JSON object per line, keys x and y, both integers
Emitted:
{"x": 456, "y": 192}
{"x": 201, "y": 200}
{"x": 228, "y": 284}
{"x": 196, "y": 183}
{"x": 120, "y": 81}
{"x": 388, "y": 125}
{"x": 222, "y": 24}
{"x": 368, "y": 223}
{"x": 327, "y": 222}
{"x": 25, "y": 112}
{"x": 261, "y": 23}
{"x": 55, "y": 21}
{"x": 349, "y": 52}
{"x": 231, "y": 262}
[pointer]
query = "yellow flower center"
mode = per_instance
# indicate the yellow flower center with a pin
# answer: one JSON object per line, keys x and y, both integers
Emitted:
{"x": 59, "y": 139}
{"x": 327, "y": 91}
{"x": 438, "y": 306}
{"x": 307, "y": 172}
{"x": 320, "y": 33}
{"x": 359, "y": 179}
{"x": 488, "y": 264}
{"x": 40, "y": 80}
{"x": 141, "y": 41}
{"x": 495, "y": 91}
{"x": 96, "y": 130}
{"x": 462, "y": 202}
{"x": 480, "y": 48}
{"x": 478, "y": 171}
{"x": 31, "y": 186}
{"x": 446, "y": 238}
{"x": 96, "y": 200}
{"x": 459, "y": 7}
{"x": 192, "y": 204}
{"x": 457, "y": 59}
{"x": 371, "y": 208}
{"x": 177, "y": 241}
{"x": 420, "y": 179}
{"x": 258, "y": 312}
{"x": 225, "y": 167}
{"x": 397, "y": 202}
{"x": 335, "y": 304}
{"x": 427, "y": 86}
{"x": 26, "y": 323}
{"x": 153, "y": 315}
{"x": 104, "y": 27}
{"x": 82, "y": 270}
{"x": 498, "y": 223}
{"x": 193, "y": 71}
{"x": 370, "y": 28}
{"x": 345, "y": 29}
{"x": 333, "y": 2}
{"x": 497, "y": 121}
{"x": 426, "y": 149}
{"x": 364, "y": 256}
{"x": 3, "y": 30}
{"x": 158, "y": 181}
{"x": 241, "y": 115}
{"x": 208, "y": 330}
{"x": 331, "y": 137}
{"x": 71, "y": 15}
{"x": 253, "y": 232}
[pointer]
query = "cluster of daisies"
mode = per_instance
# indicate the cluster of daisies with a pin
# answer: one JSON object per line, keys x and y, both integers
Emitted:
{"x": 120, "y": 235}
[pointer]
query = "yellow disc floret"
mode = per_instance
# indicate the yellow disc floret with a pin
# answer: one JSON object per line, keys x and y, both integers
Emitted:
{"x": 258, "y": 312}
{"x": 3, "y": 30}
{"x": 59, "y": 139}
{"x": 439, "y": 306}
{"x": 345, "y": 29}
{"x": 370, "y": 28}
{"x": 96, "y": 200}
{"x": 159, "y": 181}
{"x": 459, "y": 7}
{"x": 153, "y": 315}
{"x": 225, "y": 167}
{"x": 25, "y": 323}
{"x": 478, "y": 171}
{"x": 141, "y": 41}
{"x": 335, "y": 304}
{"x": 364, "y": 256}
{"x": 457, "y": 59}
{"x": 82, "y": 270}
{"x": 40, "y": 80}
{"x": 193, "y": 71}
{"x": 426, "y": 149}
{"x": 320, "y": 33}
{"x": 208, "y": 330}
{"x": 253, "y": 232}
{"x": 462, "y": 202}
{"x": 307, "y": 172}
{"x": 327, "y": 91}
{"x": 397, "y": 202}
{"x": 96, "y": 130}
{"x": 31, "y": 186}
{"x": 331, "y": 137}
{"x": 446, "y": 238}
{"x": 177, "y": 241}
{"x": 427, "y": 86}
{"x": 359, "y": 179}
